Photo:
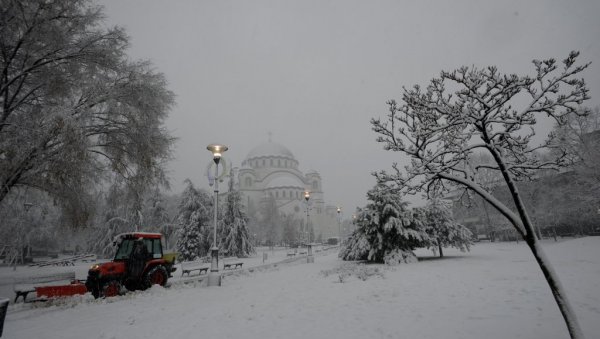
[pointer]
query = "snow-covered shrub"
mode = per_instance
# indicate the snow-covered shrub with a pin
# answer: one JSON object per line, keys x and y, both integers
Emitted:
{"x": 343, "y": 277}
{"x": 364, "y": 272}
{"x": 397, "y": 257}
{"x": 361, "y": 271}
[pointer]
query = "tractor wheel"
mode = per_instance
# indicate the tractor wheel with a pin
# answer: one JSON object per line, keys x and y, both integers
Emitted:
{"x": 156, "y": 276}
{"x": 111, "y": 288}
{"x": 95, "y": 291}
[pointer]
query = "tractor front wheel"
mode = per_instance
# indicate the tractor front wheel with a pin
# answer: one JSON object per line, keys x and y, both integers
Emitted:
{"x": 111, "y": 288}
{"x": 156, "y": 276}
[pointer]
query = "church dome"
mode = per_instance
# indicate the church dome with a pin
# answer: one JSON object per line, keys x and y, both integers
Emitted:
{"x": 270, "y": 149}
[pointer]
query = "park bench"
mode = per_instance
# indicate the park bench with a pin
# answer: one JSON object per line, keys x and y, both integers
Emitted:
{"x": 191, "y": 266}
{"x": 24, "y": 286}
{"x": 232, "y": 264}
{"x": 291, "y": 253}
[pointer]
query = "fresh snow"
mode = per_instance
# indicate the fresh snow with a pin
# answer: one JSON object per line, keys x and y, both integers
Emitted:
{"x": 494, "y": 291}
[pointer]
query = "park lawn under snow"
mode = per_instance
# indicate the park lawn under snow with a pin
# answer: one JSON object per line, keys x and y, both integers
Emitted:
{"x": 494, "y": 291}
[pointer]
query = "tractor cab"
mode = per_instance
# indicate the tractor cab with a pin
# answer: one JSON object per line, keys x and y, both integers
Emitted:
{"x": 127, "y": 242}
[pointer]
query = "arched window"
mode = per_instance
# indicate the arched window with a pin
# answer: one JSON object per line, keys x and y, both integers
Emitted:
{"x": 278, "y": 162}
{"x": 283, "y": 193}
{"x": 271, "y": 162}
{"x": 248, "y": 181}
{"x": 315, "y": 185}
{"x": 277, "y": 194}
{"x": 264, "y": 163}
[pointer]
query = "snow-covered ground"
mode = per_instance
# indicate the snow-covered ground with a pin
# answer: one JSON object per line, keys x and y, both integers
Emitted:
{"x": 495, "y": 291}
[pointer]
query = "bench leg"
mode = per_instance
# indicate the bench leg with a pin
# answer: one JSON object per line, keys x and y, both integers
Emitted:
{"x": 21, "y": 294}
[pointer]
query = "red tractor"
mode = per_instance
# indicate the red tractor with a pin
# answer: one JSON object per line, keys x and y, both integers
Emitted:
{"x": 138, "y": 264}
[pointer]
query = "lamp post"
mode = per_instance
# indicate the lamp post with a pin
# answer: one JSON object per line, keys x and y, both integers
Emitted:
{"x": 214, "y": 278}
{"x": 309, "y": 258}
{"x": 339, "y": 211}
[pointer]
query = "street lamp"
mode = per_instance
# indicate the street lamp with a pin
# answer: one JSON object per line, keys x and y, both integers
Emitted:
{"x": 309, "y": 258}
{"x": 339, "y": 211}
{"x": 214, "y": 278}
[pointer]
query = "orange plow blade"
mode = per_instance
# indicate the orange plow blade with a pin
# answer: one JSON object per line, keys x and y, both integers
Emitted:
{"x": 74, "y": 288}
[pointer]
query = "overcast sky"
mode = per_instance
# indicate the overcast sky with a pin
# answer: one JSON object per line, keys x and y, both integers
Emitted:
{"x": 313, "y": 73}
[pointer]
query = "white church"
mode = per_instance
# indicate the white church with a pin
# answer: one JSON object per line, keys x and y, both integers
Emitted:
{"x": 271, "y": 170}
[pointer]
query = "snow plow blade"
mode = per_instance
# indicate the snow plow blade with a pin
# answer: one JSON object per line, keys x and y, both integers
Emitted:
{"x": 75, "y": 288}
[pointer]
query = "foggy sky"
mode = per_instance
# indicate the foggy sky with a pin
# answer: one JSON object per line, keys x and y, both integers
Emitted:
{"x": 315, "y": 72}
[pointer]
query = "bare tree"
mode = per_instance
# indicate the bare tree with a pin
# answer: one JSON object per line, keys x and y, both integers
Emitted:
{"x": 72, "y": 106}
{"x": 490, "y": 112}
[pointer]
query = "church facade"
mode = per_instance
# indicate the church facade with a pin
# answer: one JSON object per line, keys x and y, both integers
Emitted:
{"x": 270, "y": 171}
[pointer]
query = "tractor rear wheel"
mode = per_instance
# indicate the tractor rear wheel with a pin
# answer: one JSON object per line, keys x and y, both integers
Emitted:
{"x": 111, "y": 288}
{"x": 156, "y": 276}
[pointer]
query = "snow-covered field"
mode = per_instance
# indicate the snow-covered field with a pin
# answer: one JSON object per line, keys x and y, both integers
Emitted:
{"x": 495, "y": 291}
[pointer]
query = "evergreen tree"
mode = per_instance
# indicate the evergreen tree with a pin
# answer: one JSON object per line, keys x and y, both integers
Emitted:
{"x": 386, "y": 226}
{"x": 236, "y": 237}
{"x": 195, "y": 212}
{"x": 443, "y": 231}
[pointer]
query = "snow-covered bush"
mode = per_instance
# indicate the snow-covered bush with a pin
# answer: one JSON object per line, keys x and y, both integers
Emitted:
{"x": 397, "y": 257}
{"x": 361, "y": 271}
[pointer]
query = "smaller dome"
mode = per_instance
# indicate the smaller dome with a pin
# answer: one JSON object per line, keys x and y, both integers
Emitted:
{"x": 270, "y": 148}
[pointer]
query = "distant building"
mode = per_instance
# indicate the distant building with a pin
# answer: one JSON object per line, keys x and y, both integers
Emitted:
{"x": 271, "y": 170}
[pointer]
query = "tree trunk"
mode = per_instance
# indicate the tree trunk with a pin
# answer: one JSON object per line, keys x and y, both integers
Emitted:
{"x": 440, "y": 247}
{"x": 557, "y": 289}
{"x": 532, "y": 241}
